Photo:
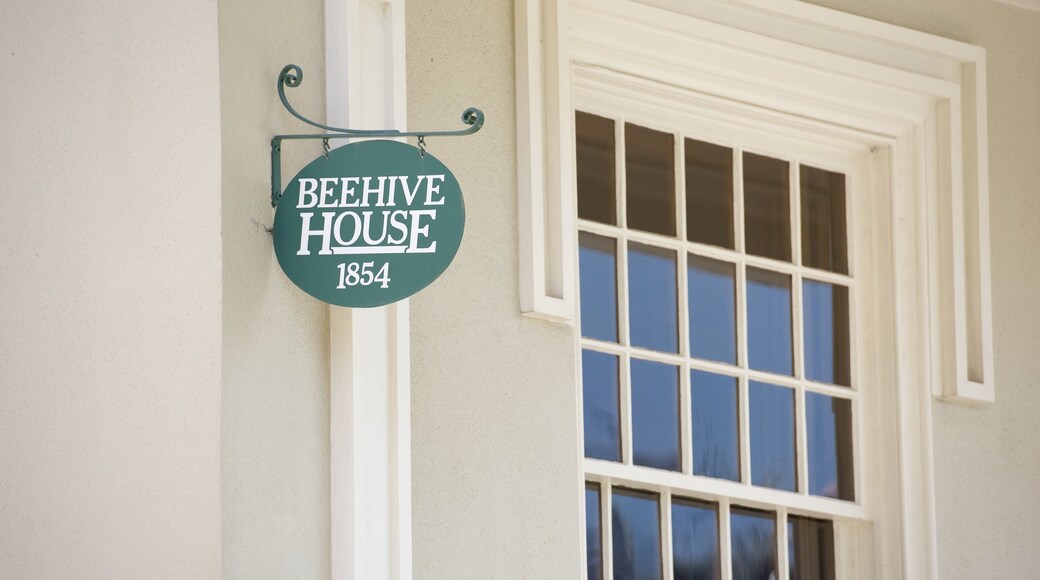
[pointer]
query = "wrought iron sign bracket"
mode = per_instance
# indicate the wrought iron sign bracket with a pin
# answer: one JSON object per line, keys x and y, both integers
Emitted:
{"x": 292, "y": 75}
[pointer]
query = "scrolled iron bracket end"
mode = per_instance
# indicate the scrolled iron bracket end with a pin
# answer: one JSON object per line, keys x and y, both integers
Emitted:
{"x": 291, "y": 76}
{"x": 473, "y": 117}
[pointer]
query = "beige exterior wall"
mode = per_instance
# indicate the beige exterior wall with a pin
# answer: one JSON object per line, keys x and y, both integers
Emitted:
{"x": 987, "y": 459}
{"x": 275, "y": 408}
{"x": 495, "y": 486}
{"x": 164, "y": 388}
{"x": 110, "y": 274}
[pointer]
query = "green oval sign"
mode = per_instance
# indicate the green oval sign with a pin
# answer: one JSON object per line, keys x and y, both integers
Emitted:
{"x": 373, "y": 223}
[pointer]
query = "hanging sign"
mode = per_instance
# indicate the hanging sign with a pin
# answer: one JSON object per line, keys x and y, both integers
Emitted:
{"x": 370, "y": 224}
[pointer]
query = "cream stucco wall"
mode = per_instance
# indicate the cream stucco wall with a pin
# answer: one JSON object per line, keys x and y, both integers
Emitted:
{"x": 495, "y": 486}
{"x": 987, "y": 459}
{"x": 110, "y": 275}
{"x": 275, "y": 429}
{"x": 163, "y": 387}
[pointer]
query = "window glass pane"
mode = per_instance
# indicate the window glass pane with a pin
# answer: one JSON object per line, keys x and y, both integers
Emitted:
{"x": 767, "y": 207}
{"x": 653, "y": 314}
{"x": 823, "y": 220}
{"x": 650, "y": 180}
{"x": 596, "y": 172}
{"x": 597, "y": 265}
{"x": 754, "y": 544}
{"x": 695, "y": 540}
{"x": 709, "y": 193}
{"x": 599, "y": 386}
{"x": 769, "y": 321}
{"x": 826, "y": 321}
{"x": 716, "y": 450}
{"x": 829, "y": 431}
{"x": 810, "y": 549}
{"x": 772, "y": 436}
{"x": 636, "y": 536}
{"x": 594, "y": 559}
{"x": 712, "y": 305}
{"x": 655, "y": 415}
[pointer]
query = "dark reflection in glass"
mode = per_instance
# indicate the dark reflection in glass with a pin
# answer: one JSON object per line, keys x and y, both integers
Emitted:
{"x": 655, "y": 415}
{"x": 653, "y": 315}
{"x": 754, "y": 544}
{"x": 769, "y": 321}
{"x": 636, "y": 536}
{"x": 713, "y": 315}
{"x": 810, "y": 549}
{"x": 767, "y": 207}
{"x": 826, "y": 322}
{"x": 829, "y": 433}
{"x": 716, "y": 450}
{"x": 823, "y": 220}
{"x": 599, "y": 388}
{"x": 596, "y": 173}
{"x": 593, "y": 537}
{"x": 650, "y": 179}
{"x": 695, "y": 540}
{"x": 709, "y": 193}
{"x": 772, "y": 436}
{"x": 597, "y": 265}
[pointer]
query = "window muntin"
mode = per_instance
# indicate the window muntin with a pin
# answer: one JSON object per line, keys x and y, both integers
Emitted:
{"x": 758, "y": 338}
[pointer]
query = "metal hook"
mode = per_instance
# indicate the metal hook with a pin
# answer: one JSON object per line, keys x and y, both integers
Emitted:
{"x": 325, "y": 148}
{"x": 422, "y": 146}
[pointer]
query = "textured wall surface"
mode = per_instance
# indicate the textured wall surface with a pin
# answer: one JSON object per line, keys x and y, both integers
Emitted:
{"x": 110, "y": 274}
{"x": 987, "y": 459}
{"x": 275, "y": 429}
{"x": 496, "y": 482}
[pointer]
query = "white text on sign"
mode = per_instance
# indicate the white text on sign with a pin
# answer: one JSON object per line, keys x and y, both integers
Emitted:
{"x": 374, "y": 231}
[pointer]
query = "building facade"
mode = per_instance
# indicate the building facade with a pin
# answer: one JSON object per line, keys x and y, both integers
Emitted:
{"x": 849, "y": 290}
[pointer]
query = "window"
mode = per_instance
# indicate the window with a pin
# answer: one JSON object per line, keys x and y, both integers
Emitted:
{"x": 911, "y": 106}
{"x": 716, "y": 354}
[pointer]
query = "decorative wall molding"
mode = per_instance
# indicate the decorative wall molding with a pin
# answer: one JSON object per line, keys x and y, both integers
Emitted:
{"x": 786, "y": 57}
{"x": 916, "y": 102}
{"x": 545, "y": 160}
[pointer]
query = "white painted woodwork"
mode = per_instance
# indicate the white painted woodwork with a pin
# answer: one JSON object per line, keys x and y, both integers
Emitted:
{"x": 545, "y": 155}
{"x": 369, "y": 360}
{"x": 816, "y": 68}
{"x": 629, "y": 100}
{"x": 910, "y": 107}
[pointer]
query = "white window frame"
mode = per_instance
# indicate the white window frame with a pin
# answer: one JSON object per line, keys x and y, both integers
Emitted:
{"x": 786, "y": 58}
{"x": 918, "y": 101}
{"x": 678, "y": 112}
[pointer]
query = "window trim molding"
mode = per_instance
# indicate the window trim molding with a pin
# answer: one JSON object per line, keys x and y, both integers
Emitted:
{"x": 844, "y": 71}
{"x": 918, "y": 100}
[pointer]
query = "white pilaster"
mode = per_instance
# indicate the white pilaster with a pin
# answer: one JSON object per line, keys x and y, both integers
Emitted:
{"x": 369, "y": 360}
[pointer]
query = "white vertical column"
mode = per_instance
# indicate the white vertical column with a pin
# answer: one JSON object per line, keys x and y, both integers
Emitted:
{"x": 369, "y": 360}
